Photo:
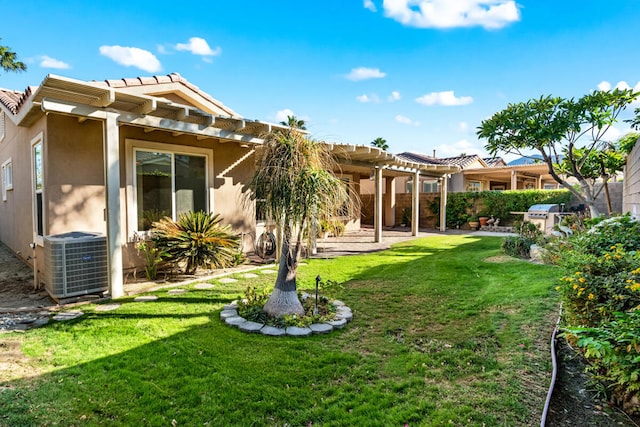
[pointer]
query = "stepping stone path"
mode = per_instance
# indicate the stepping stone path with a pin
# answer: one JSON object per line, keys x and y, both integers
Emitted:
{"x": 68, "y": 315}
{"x": 249, "y": 275}
{"x": 230, "y": 316}
{"x": 227, "y": 280}
{"x": 145, "y": 298}
{"x": 203, "y": 286}
{"x": 267, "y": 271}
{"x": 176, "y": 291}
{"x": 107, "y": 307}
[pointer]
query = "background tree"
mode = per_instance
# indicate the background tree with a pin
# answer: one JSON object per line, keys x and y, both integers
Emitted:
{"x": 558, "y": 129}
{"x": 381, "y": 143}
{"x": 8, "y": 60}
{"x": 295, "y": 179}
{"x": 294, "y": 122}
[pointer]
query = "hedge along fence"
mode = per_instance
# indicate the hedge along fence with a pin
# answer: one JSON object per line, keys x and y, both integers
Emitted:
{"x": 499, "y": 204}
{"x": 460, "y": 206}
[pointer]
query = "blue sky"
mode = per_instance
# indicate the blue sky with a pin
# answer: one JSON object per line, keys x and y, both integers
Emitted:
{"x": 422, "y": 74}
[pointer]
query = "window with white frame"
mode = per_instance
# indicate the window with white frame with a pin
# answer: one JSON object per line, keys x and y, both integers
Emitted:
{"x": 430, "y": 186}
{"x": 168, "y": 184}
{"x": 474, "y": 186}
{"x": 549, "y": 186}
{"x": 37, "y": 168}
{"x": 409, "y": 187}
{"x": 7, "y": 178}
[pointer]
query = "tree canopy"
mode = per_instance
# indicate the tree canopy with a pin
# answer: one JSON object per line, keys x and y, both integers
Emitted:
{"x": 381, "y": 143}
{"x": 564, "y": 131}
{"x": 294, "y": 122}
{"x": 296, "y": 181}
{"x": 9, "y": 60}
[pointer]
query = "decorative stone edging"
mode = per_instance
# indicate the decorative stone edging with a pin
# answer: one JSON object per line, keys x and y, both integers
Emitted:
{"x": 230, "y": 316}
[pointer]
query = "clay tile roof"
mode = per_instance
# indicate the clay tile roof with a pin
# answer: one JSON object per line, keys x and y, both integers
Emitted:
{"x": 132, "y": 81}
{"x": 148, "y": 80}
{"x": 494, "y": 161}
{"x": 13, "y": 99}
{"x": 461, "y": 161}
{"x": 163, "y": 79}
{"x": 420, "y": 158}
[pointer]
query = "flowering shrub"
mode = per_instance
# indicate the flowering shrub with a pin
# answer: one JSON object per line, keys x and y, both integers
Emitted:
{"x": 601, "y": 293}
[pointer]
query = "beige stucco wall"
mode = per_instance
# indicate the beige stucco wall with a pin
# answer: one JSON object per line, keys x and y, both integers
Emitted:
{"x": 16, "y": 219}
{"x": 74, "y": 176}
{"x": 631, "y": 194}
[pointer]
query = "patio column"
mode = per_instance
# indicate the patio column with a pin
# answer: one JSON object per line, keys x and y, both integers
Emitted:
{"x": 113, "y": 212}
{"x": 377, "y": 203}
{"x": 514, "y": 180}
{"x": 390, "y": 202}
{"x": 443, "y": 203}
{"x": 415, "y": 205}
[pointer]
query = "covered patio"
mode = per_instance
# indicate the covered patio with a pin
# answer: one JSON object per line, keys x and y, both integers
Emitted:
{"x": 371, "y": 163}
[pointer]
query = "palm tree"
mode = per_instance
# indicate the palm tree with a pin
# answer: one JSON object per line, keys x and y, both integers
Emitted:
{"x": 381, "y": 143}
{"x": 8, "y": 60}
{"x": 294, "y": 122}
{"x": 295, "y": 179}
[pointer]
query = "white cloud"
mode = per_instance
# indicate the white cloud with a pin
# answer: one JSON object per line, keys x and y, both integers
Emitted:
{"x": 364, "y": 73}
{"x": 364, "y": 98}
{"x": 162, "y": 50}
{"x": 49, "y": 62}
{"x": 446, "y": 98}
{"x": 282, "y": 115}
{"x": 395, "y": 95}
{"x": 199, "y": 46}
{"x": 605, "y": 86}
{"x": 462, "y": 146}
{"x": 463, "y": 126}
{"x": 406, "y": 120}
{"x": 132, "y": 57}
{"x": 368, "y": 4}
{"x": 490, "y": 14}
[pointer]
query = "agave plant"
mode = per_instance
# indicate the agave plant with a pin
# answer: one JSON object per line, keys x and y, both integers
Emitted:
{"x": 197, "y": 239}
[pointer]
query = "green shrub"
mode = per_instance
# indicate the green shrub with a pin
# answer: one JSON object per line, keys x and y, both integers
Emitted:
{"x": 518, "y": 246}
{"x": 153, "y": 258}
{"x": 614, "y": 350}
{"x": 500, "y": 204}
{"x": 197, "y": 239}
{"x": 601, "y": 294}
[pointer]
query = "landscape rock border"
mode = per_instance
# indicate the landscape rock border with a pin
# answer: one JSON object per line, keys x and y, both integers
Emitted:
{"x": 229, "y": 315}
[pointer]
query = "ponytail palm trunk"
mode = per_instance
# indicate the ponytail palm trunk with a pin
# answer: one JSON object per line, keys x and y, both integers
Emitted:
{"x": 295, "y": 179}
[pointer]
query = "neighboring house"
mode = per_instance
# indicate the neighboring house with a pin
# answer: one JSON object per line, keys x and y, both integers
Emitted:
{"x": 110, "y": 157}
{"x": 480, "y": 174}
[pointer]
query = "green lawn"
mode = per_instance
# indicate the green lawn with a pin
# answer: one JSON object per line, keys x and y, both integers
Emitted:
{"x": 440, "y": 336}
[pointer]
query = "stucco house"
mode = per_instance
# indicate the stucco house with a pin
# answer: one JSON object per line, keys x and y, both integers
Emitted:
{"x": 481, "y": 174}
{"x": 111, "y": 156}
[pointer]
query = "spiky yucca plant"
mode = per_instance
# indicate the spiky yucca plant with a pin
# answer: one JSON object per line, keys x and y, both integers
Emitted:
{"x": 197, "y": 239}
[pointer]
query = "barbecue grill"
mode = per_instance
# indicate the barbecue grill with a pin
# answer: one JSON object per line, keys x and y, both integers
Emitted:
{"x": 544, "y": 216}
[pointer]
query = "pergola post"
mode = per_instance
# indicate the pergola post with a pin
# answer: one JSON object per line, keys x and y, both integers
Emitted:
{"x": 443, "y": 203}
{"x": 415, "y": 205}
{"x": 377, "y": 211}
{"x": 390, "y": 201}
{"x": 514, "y": 180}
{"x": 113, "y": 213}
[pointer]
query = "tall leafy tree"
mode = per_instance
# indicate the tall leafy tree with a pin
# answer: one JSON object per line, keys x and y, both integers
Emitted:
{"x": 381, "y": 143}
{"x": 559, "y": 128}
{"x": 295, "y": 178}
{"x": 294, "y": 122}
{"x": 9, "y": 60}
